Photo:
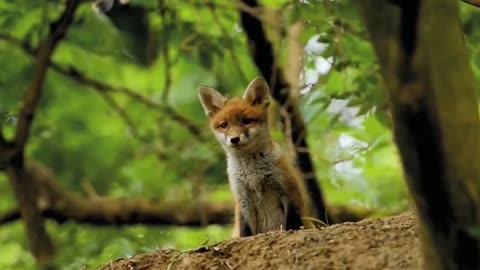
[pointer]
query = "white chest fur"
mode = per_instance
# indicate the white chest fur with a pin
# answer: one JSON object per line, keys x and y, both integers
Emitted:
{"x": 258, "y": 185}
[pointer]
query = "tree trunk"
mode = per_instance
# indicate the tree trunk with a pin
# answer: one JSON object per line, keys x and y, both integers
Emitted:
{"x": 432, "y": 90}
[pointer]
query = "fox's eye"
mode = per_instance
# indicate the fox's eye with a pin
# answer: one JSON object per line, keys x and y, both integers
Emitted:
{"x": 247, "y": 121}
{"x": 224, "y": 125}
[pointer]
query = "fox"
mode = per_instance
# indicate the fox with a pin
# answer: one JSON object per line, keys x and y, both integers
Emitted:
{"x": 265, "y": 185}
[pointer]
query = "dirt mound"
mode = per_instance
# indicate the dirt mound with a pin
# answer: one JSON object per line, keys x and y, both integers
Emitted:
{"x": 387, "y": 243}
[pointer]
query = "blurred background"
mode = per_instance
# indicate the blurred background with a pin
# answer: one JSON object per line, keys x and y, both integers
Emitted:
{"x": 120, "y": 152}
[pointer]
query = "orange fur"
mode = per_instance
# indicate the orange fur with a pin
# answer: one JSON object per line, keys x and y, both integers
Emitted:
{"x": 267, "y": 189}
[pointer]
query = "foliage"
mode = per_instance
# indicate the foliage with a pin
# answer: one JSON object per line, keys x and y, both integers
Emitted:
{"x": 125, "y": 148}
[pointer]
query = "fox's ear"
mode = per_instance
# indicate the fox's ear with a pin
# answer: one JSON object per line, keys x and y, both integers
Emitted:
{"x": 257, "y": 92}
{"x": 212, "y": 101}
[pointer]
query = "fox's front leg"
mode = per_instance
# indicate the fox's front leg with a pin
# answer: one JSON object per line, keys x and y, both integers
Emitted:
{"x": 248, "y": 219}
{"x": 241, "y": 228}
{"x": 237, "y": 222}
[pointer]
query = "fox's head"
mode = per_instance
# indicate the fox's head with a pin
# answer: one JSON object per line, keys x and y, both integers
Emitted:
{"x": 239, "y": 124}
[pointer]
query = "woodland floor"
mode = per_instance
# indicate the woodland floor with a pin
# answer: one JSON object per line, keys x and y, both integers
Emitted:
{"x": 386, "y": 243}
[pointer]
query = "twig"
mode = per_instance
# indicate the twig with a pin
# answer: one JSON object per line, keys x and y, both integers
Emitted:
{"x": 131, "y": 125}
{"x": 89, "y": 190}
{"x": 17, "y": 42}
{"x": 122, "y": 113}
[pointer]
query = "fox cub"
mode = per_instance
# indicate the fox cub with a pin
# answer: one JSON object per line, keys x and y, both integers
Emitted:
{"x": 266, "y": 188}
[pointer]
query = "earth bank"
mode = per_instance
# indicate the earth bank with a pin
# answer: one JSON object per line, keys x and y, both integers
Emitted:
{"x": 382, "y": 243}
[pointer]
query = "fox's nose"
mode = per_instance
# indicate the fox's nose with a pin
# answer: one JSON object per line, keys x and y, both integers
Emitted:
{"x": 235, "y": 140}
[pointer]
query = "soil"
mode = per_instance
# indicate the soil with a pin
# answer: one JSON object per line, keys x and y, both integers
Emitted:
{"x": 384, "y": 243}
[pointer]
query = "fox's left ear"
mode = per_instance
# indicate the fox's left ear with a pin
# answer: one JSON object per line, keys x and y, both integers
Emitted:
{"x": 257, "y": 92}
{"x": 211, "y": 100}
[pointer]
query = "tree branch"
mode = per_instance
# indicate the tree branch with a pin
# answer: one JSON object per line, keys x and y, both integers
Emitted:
{"x": 40, "y": 243}
{"x": 33, "y": 93}
{"x": 475, "y": 3}
{"x": 132, "y": 128}
{"x": 10, "y": 216}
{"x": 80, "y": 77}
{"x": 263, "y": 56}
{"x": 132, "y": 212}
{"x": 60, "y": 205}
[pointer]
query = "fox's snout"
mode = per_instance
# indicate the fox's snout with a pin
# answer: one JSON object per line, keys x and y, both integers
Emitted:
{"x": 235, "y": 139}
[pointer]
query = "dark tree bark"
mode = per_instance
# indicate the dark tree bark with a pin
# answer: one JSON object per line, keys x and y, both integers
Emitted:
{"x": 432, "y": 91}
{"x": 263, "y": 56}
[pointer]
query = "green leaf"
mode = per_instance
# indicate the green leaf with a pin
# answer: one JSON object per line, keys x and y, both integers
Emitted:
{"x": 383, "y": 118}
{"x": 335, "y": 83}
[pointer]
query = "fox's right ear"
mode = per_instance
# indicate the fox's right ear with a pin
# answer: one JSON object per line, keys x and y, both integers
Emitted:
{"x": 212, "y": 101}
{"x": 257, "y": 92}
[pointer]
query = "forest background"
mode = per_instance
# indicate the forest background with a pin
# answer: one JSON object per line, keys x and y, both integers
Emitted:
{"x": 120, "y": 154}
